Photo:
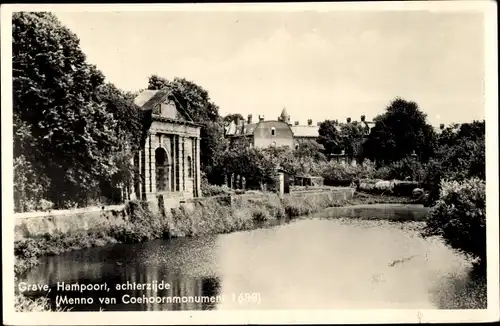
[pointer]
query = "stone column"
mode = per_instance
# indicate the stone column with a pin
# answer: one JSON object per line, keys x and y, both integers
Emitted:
{"x": 177, "y": 165}
{"x": 152, "y": 164}
{"x": 198, "y": 168}
{"x": 147, "y": 166}
{"x": 174, "y": 168}
{"x": 182, "y": 163}
{"x": 142, "y": 173}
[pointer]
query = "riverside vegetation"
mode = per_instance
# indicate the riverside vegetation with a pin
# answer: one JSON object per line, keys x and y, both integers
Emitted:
{"x": 58, "y": 163}
{"x": 211, "y": 216}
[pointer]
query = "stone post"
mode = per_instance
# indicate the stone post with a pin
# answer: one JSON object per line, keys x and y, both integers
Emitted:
{"x": 281, "y": 184}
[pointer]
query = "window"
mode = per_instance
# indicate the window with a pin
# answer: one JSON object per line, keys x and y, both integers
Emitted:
{"x": 296, "y": 146}
{"x": 157, "y": 109}
{"x": 190, "y": 167}
{"x": 273, "y": 131}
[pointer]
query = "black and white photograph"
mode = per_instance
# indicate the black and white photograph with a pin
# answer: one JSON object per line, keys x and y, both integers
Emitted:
{"x": 250, "y": 163}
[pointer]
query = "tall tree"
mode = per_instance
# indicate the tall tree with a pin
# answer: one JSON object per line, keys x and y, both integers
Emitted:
{"x": 330, "y": 137}
{"x": 352, "y": 137}
{"x": 310, "y": 149}
{"x": 131, "y": 130}
{"x": 399, "y": 132}
{"x": 60, "y": 128}
{"x": 232, "y": 117}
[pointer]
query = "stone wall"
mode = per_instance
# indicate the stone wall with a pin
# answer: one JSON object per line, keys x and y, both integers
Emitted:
{"x": 37, "y": 224}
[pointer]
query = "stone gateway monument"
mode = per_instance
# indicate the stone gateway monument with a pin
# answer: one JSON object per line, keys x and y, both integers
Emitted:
{"x": 169, "y": 162}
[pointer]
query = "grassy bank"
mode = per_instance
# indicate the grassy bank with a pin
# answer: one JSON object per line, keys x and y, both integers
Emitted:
{"x": 209, "y": 216}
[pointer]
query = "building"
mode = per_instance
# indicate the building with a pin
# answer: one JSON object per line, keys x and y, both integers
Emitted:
{"x": 262, "y": 133}
{"x": 169, "y": 162}
{"x": 281, "y": 132}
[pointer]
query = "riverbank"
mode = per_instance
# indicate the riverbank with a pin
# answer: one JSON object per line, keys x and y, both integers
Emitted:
{"x": 208, "y": 217}
{"x": 201, "y": 218}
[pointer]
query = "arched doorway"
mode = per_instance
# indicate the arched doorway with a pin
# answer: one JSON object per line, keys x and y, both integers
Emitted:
{"x": 161, "y": 167}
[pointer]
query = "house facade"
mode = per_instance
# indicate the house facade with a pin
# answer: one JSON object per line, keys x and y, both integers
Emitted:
{"x": 263, "y": 133}
{"x": 281, "y": 132}
{"x": 169, "y": 162}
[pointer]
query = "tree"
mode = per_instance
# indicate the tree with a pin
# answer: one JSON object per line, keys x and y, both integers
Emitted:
{"x": 196, "y": 101}
{"x": 212, "y": 145}
{"x": 462, "y": 155}
{"x": 60, "y": 128}
{"x": 330, "y": 137}
{"x": 352, "y": 137}
{"x": 131, "y": 128}
{"x": 399, "y": 132}
{"x": 310, "y": 149}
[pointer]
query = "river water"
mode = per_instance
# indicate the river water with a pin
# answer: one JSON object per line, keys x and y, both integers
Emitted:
{"x": 332, "y": 260}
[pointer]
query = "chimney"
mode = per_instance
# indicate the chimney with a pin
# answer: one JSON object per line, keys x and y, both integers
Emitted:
{"x": 237, "y": 121}
{"x": 349, "y": 120}
{"x": 296, "y": 123}
{"x": 441, "y": 126}
{"x": 261, "y": 117}
{"x": 309, "y": 122}
{"x": 363, "y": 118}
{"x": 318, "y": 123}
{"x": 249, "y": 119}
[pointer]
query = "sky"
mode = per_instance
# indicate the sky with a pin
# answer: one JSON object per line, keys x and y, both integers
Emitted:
{"x": 319, "y": 65}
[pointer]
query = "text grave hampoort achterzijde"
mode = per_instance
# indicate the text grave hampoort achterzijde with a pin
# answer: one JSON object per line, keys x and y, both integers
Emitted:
{"x": 150, "y": 294}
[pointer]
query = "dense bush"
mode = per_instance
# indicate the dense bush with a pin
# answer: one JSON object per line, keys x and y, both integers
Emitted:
{"x": 459, "y": 216}
{"x": 215, "y": 190}
{"x": 344, "y": 174}
{"x": 408, "y": 168}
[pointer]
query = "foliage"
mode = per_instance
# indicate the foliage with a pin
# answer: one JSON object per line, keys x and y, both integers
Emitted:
{"x": 352, "y": 137}
{"x": 209, "y": 190}
{"x": 25, "y": 304}
{"x": 67, "y": 133}
{"x": 409, "y": 168}
{"x": 330, "y": 137}
{"x": 453, "y": 159}
{"x": 399, "y": 132}
{"x": 344, "y": 174}
{"x": 310, "y": 149}
{"x": 459, "y": 216}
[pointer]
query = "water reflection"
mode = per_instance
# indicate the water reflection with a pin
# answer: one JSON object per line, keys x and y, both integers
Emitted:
{"x": 139, "y": 264}
{"x": 339, "y": 263}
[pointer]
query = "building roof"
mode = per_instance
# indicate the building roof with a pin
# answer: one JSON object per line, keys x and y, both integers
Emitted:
{"x": 238, "y": 130}
{"x": 305, "y": 131}
{"x": 245, "y": 129}
{"x": 148, "y": 99}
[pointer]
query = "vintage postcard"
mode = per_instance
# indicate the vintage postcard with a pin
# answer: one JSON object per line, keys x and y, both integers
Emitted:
{"x": 250, "y": 163}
